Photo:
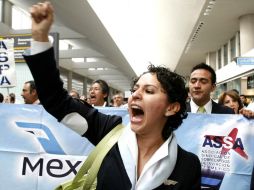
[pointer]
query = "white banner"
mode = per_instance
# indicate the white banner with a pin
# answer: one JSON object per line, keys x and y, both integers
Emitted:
{"x": 38, "y": 153}
{"x": 7, "y": 63}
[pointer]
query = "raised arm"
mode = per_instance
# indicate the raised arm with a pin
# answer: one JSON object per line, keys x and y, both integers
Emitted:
{"x": 52, "y": 95}
{"x": 42, "y": 15}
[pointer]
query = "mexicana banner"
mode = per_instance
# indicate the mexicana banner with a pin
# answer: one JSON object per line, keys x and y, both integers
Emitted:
{"x": 39, "y": 153}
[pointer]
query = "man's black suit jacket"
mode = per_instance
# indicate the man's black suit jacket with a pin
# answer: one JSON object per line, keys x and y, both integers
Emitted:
{"x": 216, "y": 108}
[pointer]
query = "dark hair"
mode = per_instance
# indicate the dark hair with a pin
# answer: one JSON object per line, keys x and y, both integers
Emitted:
{"x": 174, "y": 85}
{"x": 32, "y": 85}
{"x": 208, "y": 68}
{"x": 12, "y": 97}
{"x": 236, "y": 91}
{"x": 104, "y": 87}
{"x": 233, "y": 95}
{"x": 1, "y": 97}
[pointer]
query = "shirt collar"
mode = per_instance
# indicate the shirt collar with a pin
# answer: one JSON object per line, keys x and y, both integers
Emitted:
{"x": 207, "y": 106}
{"x": 104, "y": 105}
{"x": 36, "y": 101}
{"x": 156, "y": 170}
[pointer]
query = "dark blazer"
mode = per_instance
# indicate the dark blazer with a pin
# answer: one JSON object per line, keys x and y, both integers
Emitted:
{"x": 112, "y": 174}
{"x": 216, "y": 108}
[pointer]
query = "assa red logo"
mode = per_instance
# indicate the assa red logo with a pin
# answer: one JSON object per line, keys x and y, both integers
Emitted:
{"x": 226, "y": 143}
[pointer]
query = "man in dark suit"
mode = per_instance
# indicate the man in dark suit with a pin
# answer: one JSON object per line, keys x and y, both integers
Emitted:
{"x": 201, "y": 84}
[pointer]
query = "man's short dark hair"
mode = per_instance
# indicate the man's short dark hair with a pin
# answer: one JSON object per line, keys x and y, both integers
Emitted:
{"x": 32, "y": 85}
{"x": 208, "y": 68}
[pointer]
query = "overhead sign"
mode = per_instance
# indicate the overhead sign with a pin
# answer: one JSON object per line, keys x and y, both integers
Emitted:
{"x": 245, "y": 60}
{"x": 23, "y": 42}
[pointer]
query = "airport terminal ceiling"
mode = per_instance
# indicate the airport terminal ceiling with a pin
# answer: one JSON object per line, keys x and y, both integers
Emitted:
{"x": 126, "y": 35}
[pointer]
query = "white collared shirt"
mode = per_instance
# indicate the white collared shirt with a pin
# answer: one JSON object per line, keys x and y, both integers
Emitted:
{"x": 36, "y": 102}
{"x": 207, "y": 106}
{"x": 158, "y": 168}
{"x": 104, "y": 105}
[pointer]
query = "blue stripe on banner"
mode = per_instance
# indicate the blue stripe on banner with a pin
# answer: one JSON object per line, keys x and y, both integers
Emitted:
{"x": 48, "y": 142}
{"x": 210, "y": 181}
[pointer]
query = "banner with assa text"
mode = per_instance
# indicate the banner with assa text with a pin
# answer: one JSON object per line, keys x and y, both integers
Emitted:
{"x": 37, "y": 152}
{"x": 224, "y": 144}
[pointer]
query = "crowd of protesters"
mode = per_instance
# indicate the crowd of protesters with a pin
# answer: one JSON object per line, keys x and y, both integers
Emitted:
{"x": 157, "y": 106}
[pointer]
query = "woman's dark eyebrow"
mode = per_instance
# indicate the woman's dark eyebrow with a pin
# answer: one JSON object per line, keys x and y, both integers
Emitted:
{"x": 147, "y": 85}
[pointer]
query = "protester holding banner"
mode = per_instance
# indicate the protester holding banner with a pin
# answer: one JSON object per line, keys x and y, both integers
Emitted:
{"x": 201, "y": 84}
{"x": 147, "y": 155}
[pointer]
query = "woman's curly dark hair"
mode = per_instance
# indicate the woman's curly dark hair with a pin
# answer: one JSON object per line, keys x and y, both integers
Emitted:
{"x": 174, "y": 85}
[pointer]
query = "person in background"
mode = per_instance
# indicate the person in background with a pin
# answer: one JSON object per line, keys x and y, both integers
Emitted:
{"x": 10, "y": 98}
{"x": 1, "y": 98}
{"x": 99, "y": 93}
{"x": 118, "y": 100}
{"x": 88, "y": 100}
{"x": 244, "y": 100}
{"x": 236, "y": 91}
{"x": 201, "y": 84}
{"x": 29, "y": 93}
{"x": 156, "y": 108}
{"x": 83, "y": 97}
{"x": 231, "y": 99}
{"x": 74, "y": 93}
